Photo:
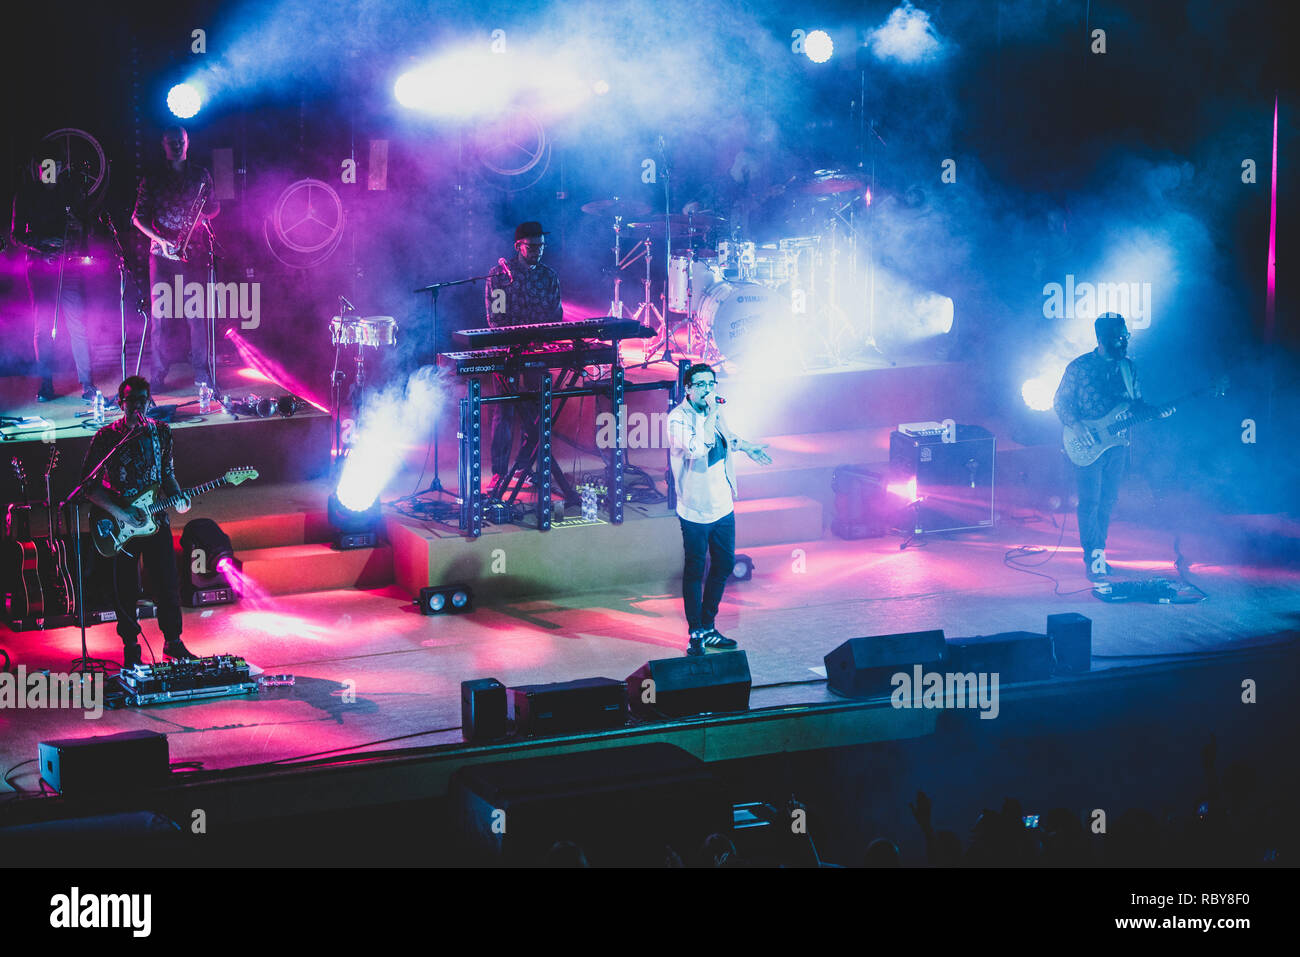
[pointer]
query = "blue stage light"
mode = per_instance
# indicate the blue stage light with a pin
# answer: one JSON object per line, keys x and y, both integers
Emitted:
{"x": 818, "y": 46}
{"x": 184, "y": 100}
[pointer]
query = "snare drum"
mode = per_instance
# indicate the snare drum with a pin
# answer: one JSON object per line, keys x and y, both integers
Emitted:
{"x": 702, "y": 273}
{"x": 376, "y": 331}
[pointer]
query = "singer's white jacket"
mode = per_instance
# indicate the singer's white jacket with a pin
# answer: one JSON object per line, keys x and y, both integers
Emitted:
{"x": 704, "y": 494}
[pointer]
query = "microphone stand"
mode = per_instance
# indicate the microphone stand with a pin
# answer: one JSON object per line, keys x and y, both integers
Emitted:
{"x": 436, "y": 485}
{"x": 122, "y": 273}
{"x": 211, "y": 371}
{"x": 86, "y": 664}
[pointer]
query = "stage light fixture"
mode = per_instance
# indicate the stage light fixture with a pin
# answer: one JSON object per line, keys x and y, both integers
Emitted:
{"x": 184, "y": 100}
{"x": 600, "y": 87}
{"x": 287, "y": 405}
{"x": 354, "y": 527}
{"x": 818, "y": 46}
{"x": 742, "y": 570}
{"x": 445, "y": 600}
{"x": 212, "y": 576}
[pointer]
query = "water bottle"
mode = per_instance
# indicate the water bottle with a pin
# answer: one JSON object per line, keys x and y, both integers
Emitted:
{"x": 588, "y": 503}
{"x": 205, "y": 399}
{"x": 99, "y": 407}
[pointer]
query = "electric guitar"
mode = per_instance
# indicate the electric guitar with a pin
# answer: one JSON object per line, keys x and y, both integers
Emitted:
{"x": 109, "y": 535}
{"x": 1112, "y": 428}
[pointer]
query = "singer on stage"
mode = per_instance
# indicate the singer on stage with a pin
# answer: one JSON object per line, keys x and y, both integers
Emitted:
{"x": 144, "y": 461}
{"x": 701, "y": 447}
{"x": 519, "y": 291}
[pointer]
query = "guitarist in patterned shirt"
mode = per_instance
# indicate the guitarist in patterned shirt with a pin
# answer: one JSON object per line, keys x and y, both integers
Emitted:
{"x": 1093, "y": 384}
{"x": 144, "y": 461}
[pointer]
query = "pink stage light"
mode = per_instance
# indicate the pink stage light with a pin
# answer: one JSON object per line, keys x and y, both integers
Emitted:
{"x": 250, "y": 373}
{"x": 271, "y": 371}
{"x": 906, "y": 490}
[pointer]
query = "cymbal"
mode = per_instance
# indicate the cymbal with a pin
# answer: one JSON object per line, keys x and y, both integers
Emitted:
{"x": 827, "y": 182}
{"x": 616, "y": 207}
{"x": 681, "y": 222}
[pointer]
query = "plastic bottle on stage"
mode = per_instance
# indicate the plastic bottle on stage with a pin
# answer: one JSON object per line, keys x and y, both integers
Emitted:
{"x": 205, "y": 399}
{"x": 99, "y": 407}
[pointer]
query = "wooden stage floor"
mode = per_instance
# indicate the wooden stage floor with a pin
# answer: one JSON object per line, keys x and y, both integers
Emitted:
{"x": 804, "y": 600}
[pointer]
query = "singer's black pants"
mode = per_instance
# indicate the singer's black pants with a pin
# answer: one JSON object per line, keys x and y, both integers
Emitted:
{"x": 702, "y": 595}
{"x": 165, "y": 321}
{"x": 160, "y": 562}
{"x": 43, "y": 288}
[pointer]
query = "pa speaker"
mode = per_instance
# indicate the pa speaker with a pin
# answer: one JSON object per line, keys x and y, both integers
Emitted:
{"x": 482, "y": 710}
{"x": 863, "y": 667}
{"x": 676, "y": 687}
{"x": 1013, "y": 655}
{"x": 590, "y": 704}
{"x": 112, "y": 763}
{"x": 1071, "y": 637}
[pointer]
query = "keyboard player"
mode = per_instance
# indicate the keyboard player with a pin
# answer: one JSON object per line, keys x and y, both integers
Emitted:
{"x": 519, "y": 291}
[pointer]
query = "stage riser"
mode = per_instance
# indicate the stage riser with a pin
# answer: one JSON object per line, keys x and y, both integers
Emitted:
{"x": 281, "y": 449}
{"x": 306, "y": 568}
{"x": 524, "y": 563}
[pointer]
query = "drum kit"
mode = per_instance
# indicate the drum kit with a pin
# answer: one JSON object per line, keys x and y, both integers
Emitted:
{"x": 743, "y": 302}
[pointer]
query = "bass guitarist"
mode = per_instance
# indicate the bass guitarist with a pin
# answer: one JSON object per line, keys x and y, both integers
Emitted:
{"x": 145, "y": 460}
{"x": 1093, "y": 384}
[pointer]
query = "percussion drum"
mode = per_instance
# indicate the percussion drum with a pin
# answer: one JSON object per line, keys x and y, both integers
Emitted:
{"x": 376, "y": 331}
{"x": 344, "y": 331}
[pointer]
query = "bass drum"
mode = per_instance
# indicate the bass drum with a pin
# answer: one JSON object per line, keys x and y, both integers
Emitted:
{"x": 747, "y": 321}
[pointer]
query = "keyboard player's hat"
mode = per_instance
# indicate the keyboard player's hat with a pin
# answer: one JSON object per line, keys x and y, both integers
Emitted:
{"x": 529, "y": 230}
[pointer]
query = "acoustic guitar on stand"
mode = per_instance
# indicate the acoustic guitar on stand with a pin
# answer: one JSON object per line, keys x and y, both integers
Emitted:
{"x": 109, "y": 535}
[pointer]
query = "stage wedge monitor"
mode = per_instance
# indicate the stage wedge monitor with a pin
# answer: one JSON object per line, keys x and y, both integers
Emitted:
{"x": 865, "y": 667}
{"x": 678, "y": 687}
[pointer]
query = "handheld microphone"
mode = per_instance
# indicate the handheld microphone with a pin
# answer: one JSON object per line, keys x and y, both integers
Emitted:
{"x": 509, "y": 275}
{"x": 719, "y": 400}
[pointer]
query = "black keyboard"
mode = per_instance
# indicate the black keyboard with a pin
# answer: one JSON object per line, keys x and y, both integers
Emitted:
{"x": 487, "y": 361}
{"x": 606, "y": 328}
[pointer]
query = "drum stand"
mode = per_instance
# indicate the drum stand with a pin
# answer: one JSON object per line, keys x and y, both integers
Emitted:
{"x": 663, "y": 338}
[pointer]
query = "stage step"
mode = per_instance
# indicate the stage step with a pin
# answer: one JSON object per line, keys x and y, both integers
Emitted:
{"x": 775, "y": 521}
{"x": 292, "y": 569}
